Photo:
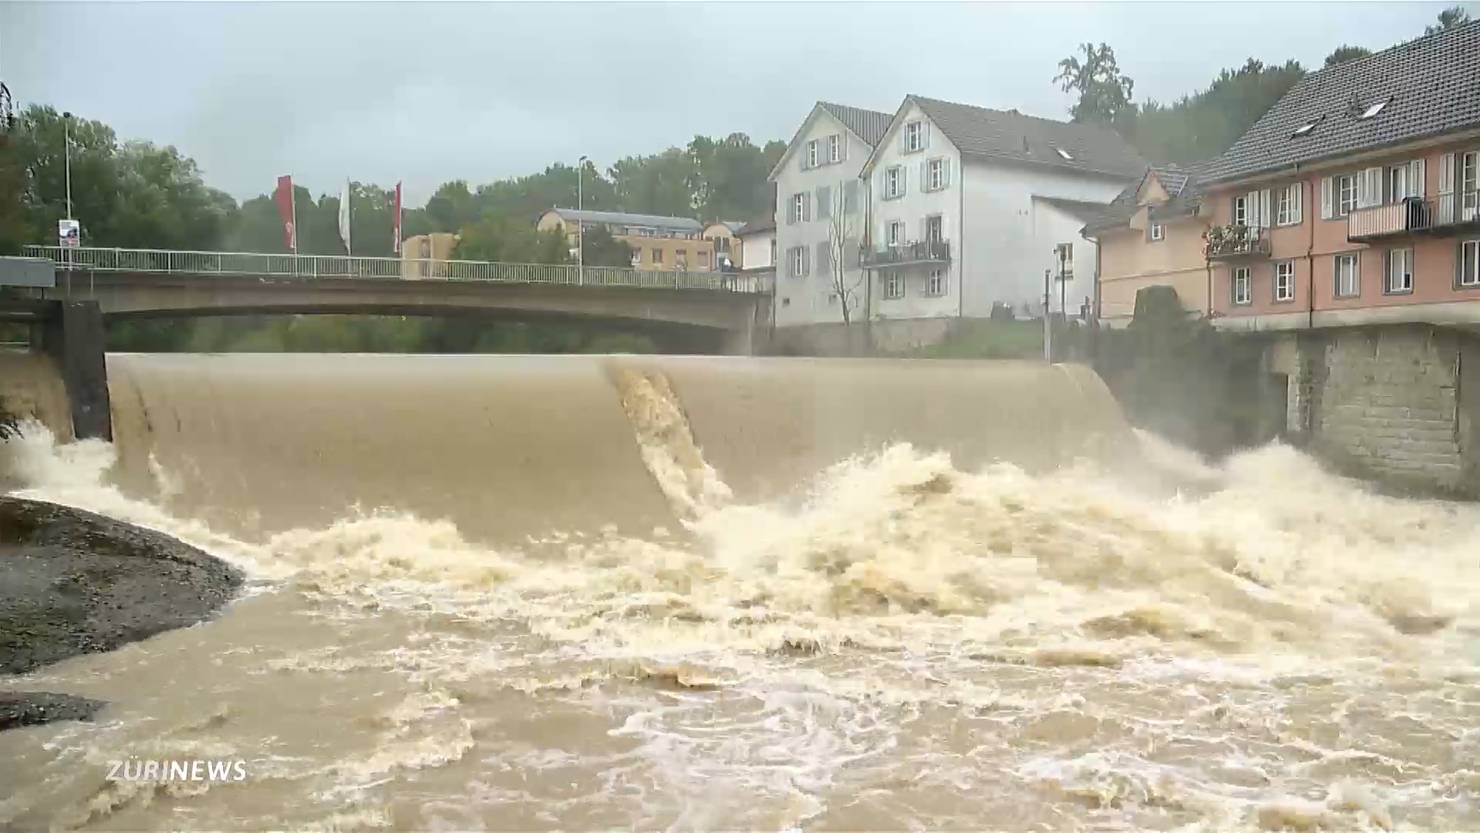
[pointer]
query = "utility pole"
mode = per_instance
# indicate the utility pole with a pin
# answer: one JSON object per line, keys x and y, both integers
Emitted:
{"x": 1047, "y": 324}
{"x": 67, "y": 155}
{"x": 580, "y": 222}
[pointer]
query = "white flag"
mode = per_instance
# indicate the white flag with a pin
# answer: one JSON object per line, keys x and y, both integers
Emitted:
{"x": 344, "y": 218}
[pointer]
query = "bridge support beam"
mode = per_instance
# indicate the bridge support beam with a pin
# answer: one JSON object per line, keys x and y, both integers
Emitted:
{"x": 72, "y": 334}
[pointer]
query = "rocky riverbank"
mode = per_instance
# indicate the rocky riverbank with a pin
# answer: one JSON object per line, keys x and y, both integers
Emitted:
{"x": 72, "y": 582}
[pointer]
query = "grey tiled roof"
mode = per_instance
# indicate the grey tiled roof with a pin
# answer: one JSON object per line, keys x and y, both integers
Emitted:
{"x": 1183, "y": 185}
{"x": 1086, "y": 211}
{"x": 869, "y": 125}
{"x": 1433, "y": 83}
{"x": 1010, "y": 135}
{"x": 765, "y": 222}
{"x": 623, "y": 218}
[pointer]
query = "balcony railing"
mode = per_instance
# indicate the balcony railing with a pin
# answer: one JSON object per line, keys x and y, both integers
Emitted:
{"x": 1446, "y": 213}
{"x": 1234, "y": 241}
{"x": 905, "y": 254}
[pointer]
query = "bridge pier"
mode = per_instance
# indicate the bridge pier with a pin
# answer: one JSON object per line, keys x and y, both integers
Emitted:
{"x": 72, "y": 334}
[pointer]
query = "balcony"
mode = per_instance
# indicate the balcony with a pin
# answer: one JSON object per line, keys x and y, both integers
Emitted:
{"x": 908, "y": 254}
{"x": 1236, "y": 241}
{"x": 1444, "y": 214}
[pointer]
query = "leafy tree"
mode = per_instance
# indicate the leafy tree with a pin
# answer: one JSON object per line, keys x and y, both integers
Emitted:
{"x": 659, "y": 184}
{"x": 1448, "y": 19}
{"x": 1104, "y": 93}
{"x": 451, "y": 206}
{"x": 1201, "y": 126}
{"x": 599, "y": 248}
{"x": 511, "y": 240}
{"x": 1345, "y": 53}
{"x": 728, "y": 180}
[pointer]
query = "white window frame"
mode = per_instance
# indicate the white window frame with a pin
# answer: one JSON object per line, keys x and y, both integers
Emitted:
{"x": 835, "y": 148}
{"x": 1288, "y": 208}
{"x": 935, "y": 174}
{"x": 894, "y": 233}
{"x": 893, "y": 182}
{"x": 1469, "y": 258}
{"x": 797, "y": 260}
{"x": 1158, "y": 232}
{"x": 1284, "y": 281}
{"x": 1356, "y": 274}
{"x": 914, "y": 136}
{"x": 1469, "y": 184}
{"x": 935, "y": 282}
{"x": 1243, "y": 286}
{"x": 939, "y": 225}
{"x": 1241, "y": 210}
{"x": 1397, "y": 281}
{"x": 1343, "y": 195}
{"x": 893, "y": 285}
{"x": 811, "y": 157}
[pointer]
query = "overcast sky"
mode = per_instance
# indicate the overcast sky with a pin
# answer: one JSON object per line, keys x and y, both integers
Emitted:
{"x": 427, "y": 92}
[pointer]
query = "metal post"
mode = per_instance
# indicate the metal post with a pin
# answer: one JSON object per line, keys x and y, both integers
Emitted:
{"x": 580, "y": 223}
{"x": 67, "y": 155}
{"x": 1047, "y": 326}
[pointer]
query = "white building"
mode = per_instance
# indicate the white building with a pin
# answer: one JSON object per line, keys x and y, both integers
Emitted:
{"x": 969, "y": 205}
{"x": 821, "y": 215}
{"x": 758, "y": 244}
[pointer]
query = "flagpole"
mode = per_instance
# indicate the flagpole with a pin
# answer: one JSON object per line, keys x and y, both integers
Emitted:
{"x": 293, "y": 200}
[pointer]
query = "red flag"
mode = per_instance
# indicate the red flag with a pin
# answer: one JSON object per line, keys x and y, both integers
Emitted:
{"x": 287, "y": 211}
{"x": 396, "y": 240}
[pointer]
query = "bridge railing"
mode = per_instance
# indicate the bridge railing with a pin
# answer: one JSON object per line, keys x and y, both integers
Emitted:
{"x": 337, "y": 266}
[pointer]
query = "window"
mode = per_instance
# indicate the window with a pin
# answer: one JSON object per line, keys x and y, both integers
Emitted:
{"x": 681, "y": 260}
{"x": 1469, "y": 185}
{"x": 1158, "y": 231}
{"x": 636, "y": 258}
{"x": 914, "y": 136}
{"x": 812, "y": 154}
{"x": 934, "y": 228}
{"x": 893, "y": 285}
{"x": 1241, "y": 210}
{"x": 1469, "y": 263}
{"x": 935, "y": 174}
{"x": 1399, "y": 267}
{"x": 797, "y": 260}
{"x": 800, "y": 209}
{"x": 835, "y": 148}
{"x": 1066, "y": 155}
{"x": 935, "y": 282}
{"x": 657, "y": 256}
{"x": 1242, "y": 293}
{"x": 1373, "y": 109}
{"x": 1348, "y": 281}
{"x": 894, "y": 234}
{"x": 893, "y": 182}
{"x": 1287, "y": 205}
{"x": 1346, "y": 193}
{"x": 704, "y": 258}
{"x": 1284, "y": 280}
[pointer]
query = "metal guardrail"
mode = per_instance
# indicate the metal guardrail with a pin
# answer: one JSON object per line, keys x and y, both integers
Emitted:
{"x": 1447, "y": 211}
{"x": 159, "y": 261}
{"x": 903, "y": 254}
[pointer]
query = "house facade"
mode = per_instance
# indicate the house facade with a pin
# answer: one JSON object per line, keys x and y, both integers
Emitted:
{"x": 661, "y": 244}
{"x": 757, "y": 244}
{"x": 821, "y": 215}
{"x": 1356, "y": 199}
{"x": 1152, "y": 235}
{"x": 971, "y": 207}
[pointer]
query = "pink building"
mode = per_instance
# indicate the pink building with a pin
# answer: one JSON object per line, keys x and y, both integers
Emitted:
{"x": 1356, "y": 198}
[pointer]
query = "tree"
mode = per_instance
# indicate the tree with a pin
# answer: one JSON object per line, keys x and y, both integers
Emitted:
{"x": 1345, "y": 53}
{"x": 728, "y": 180}
{"x": 511, "y": 240}
{"x": 658, "y": 184}
{"x": 844, "y": 217}
{"x": 1104, "y": 93}
{"x": 600, "y": 248}
{"x": 1201, "y": 126}
{"x": 1448, "y": 19}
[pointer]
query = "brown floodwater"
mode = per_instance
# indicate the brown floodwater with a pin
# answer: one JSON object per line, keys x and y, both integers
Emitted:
{"x": 530, "y": 593}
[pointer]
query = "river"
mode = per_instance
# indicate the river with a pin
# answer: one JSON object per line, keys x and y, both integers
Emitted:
{"x": 530, "y": 593}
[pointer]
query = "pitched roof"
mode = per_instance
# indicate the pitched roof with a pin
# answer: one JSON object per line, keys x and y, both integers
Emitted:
{"x": 868, "y": 125}
{"x": 765, "y": 222}
{"x": 1431, "y": 86}
{"x": 1183, "y": 185}
{"x": 1012, "y": 136}
{"x": 624, "y": 218}
{"x": 1075, "y": 208}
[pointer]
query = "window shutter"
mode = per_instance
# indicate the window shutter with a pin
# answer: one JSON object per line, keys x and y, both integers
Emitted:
{"x": 1264, "y": 215}
{"x": 824, "y": 257}
{"x": 924, "y": 134}
{"x": 903, "y": 169}
{"x": 806, "y": 208}
{"x": 1328, "y": 210}
{"x": 1416, "y": 185}
{"x": 1446, "y": 188}
{"x": 945, "y": 173}
{"x": 824, "y": 202}
{"x": 924, "y": 174}
{"x": 850, "y": 197}
{"x": 1297, "y": 194}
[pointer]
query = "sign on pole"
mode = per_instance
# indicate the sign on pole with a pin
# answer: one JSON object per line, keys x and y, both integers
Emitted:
{"x": 69, "y": 233}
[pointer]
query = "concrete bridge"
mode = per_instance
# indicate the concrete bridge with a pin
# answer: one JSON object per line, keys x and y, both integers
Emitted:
{"x": 705, "y": 311}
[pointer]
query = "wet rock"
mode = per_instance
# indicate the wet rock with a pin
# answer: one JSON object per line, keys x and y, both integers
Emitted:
{"x": 72, "y": 582}
{"x": 33, "y": 708}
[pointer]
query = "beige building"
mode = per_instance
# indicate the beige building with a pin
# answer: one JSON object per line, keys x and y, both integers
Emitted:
{"x": 1152, "y": 235}
{"x": 724, "y": 238}
{"x": 659, "y": 244}
{"x": 416, "y": 251}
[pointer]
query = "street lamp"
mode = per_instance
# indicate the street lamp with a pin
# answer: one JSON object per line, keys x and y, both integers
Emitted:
{"x": 580, "y": 222}
{"x": 67, "y": 154}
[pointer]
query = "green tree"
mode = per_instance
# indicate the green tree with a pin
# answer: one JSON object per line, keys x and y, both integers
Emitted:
{"x": 1345, "y": 53}
{"x": 1201, "y": 126}
{"x": 1448, "y": 19}
{"x": 728, "y": 179}
{"x": 511, "y": 240}
{"x": 451, "y": 206}
{"x": 1104, "y": 93}
{"x": 599, "y": 248}
{"x": 658, "y": 184}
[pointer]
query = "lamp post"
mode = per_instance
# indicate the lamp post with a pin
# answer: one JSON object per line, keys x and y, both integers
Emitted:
{"x": 67, "y": 156}
{"x": 580, "y": 222}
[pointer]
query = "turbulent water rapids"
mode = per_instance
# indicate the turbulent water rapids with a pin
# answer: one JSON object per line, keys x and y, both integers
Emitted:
{"x": 904, "y": 640}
